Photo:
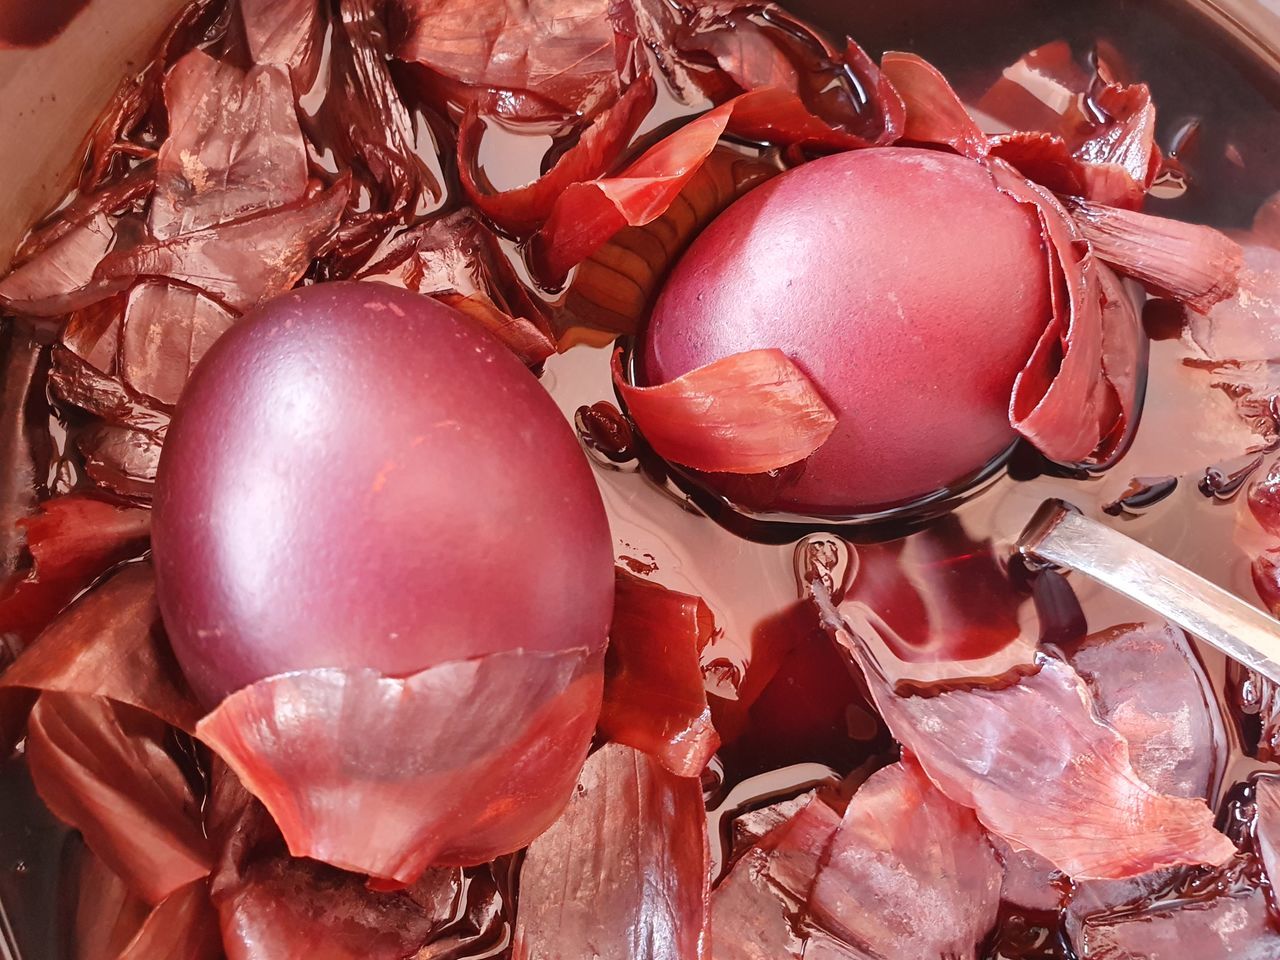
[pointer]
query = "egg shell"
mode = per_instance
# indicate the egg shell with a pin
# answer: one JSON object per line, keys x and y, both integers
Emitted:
{"x": 357, "y": 476}
{"x": 903, "y": 283}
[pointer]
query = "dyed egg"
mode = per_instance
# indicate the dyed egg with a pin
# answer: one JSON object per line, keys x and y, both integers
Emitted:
{"x": 903, "y": 283}
{"x": 356, "y": 477}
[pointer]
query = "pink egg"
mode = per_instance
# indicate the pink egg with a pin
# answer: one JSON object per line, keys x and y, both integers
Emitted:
{"x": 904, "y": 284}
{"x": 357, "y": 476}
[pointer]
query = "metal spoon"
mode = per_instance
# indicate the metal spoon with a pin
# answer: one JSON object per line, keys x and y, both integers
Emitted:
{"x": 1061, "y": 536}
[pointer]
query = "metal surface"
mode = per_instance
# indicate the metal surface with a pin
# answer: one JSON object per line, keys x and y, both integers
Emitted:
{"x": 1061, "y": 536}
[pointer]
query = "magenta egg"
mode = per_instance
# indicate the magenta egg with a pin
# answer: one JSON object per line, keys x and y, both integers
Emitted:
{"x": 357, "y": 476}
{"x": 903, "y": 283}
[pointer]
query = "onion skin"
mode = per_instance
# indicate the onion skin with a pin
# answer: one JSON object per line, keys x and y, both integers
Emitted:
{"x": 358, "y": 477}
{"x": 903, "y": 283}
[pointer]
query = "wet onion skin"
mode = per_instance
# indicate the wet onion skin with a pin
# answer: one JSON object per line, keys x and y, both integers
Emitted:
{"x": 357, "y": 476}
{"x": 903, "y": 283}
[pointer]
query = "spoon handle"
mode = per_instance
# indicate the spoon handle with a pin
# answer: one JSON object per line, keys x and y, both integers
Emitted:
{"x": 1059, "y": 535}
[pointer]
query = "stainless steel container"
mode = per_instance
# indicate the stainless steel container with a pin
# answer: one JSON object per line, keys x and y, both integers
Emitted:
{"x": 50, "y": 96}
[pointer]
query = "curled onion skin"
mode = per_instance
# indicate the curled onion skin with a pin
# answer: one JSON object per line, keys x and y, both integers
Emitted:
{"x": 523, "y": 209}
{"x": 587, "y": 215}
{"x": 655, "y": 699}
{"x": 747, "y": 413}
{"x": 1190, "y": 263}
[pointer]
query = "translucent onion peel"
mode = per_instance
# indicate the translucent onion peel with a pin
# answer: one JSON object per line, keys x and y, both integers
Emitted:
{"x": 239, "y": 264}
{"x": 934, "y": 114}
{"x": 1094, "y": 817}
{"x": 1232, "y": 925}
{"x": 60, "y": 278}
{"x": 108, "y": 914}
{"x": 588, "y": 214}
{"x": 167, "y": 330}
{"x": 1098, "y": 134}
{"x": 754, "y": 908}
{"x": 937, "y": 611}
{"x": 290, "y": 33}
{"x": 234, "y": 146}
{"x": 377, "y": 137}
{"x": 654, "y": 698}
{"x": 748, "y": 413}
{"x": 25, "y": 403}
{"x": 904, "y": 873}
{"x": 908, "y": 872}
{"x": 564, "y": 54}
{"x": 1147, "y": 682}
{"x": 458, "y": 260}
{"x": 623, "y": 873}
{"x": 523, "y": 209}
{"x": 319, "y": 746}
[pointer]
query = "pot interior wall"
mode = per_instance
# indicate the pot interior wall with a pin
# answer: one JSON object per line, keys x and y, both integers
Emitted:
{"x": 50, "y": 96}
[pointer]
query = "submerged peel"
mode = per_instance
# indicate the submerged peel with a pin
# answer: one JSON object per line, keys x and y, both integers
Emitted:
{"x": 623, "y": 873}
{"x": 1094, "y": 817}
{"x": 107, "y": 644}
{"x": 102, "y": 767}
{"x": 936, "y": 611}
{"x": 523, "y": 209}
{"x": 905, "y": 872}
{"x": 239, "y": 264}
{"x": 457, "y": 260}
{"x": 72, "y": 540}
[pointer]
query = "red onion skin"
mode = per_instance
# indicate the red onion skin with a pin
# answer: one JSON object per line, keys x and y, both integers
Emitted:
{"x": 357, "y": 476}
{"x": 903, "y": 283}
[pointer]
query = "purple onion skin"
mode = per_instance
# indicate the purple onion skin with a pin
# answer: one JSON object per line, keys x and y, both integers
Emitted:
{"x": 903, "y": 283}
{"x": 357, "y": 476}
